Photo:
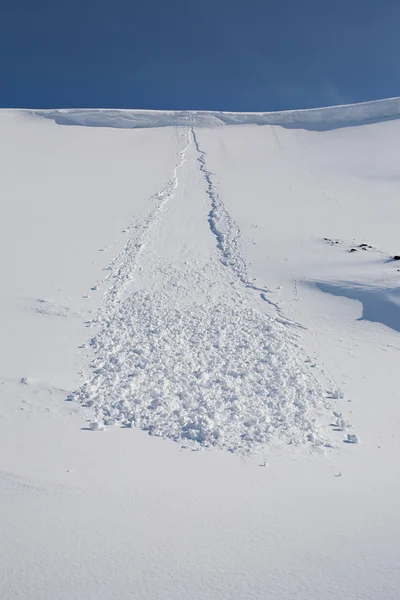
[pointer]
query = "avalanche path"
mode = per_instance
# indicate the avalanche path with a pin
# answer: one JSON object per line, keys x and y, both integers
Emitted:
{"x": 184, "y": 349}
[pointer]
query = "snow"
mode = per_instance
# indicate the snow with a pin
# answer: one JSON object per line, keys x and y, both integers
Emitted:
{"x": 216, "y": 375}
{"x": 197, "y": 283}
{"x": 315, "y": 119}
{"x": 190, "y": 360}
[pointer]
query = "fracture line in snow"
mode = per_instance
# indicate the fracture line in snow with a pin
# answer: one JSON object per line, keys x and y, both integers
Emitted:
{"x": 123, "y": 265}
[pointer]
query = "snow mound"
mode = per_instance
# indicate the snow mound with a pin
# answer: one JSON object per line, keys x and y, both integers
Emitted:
{"x": 215, "y": 375}
{"x": 328, "y": 117}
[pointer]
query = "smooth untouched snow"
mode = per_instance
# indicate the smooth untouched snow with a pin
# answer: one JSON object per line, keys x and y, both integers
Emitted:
{"x": 227, "y": 287}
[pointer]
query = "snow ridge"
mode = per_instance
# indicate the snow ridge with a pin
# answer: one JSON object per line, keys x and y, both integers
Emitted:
{"x": 328, "y": 117}
{"x": 226, "y": 230}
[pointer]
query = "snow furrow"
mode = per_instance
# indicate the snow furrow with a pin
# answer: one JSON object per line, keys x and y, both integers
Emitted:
{"x": 225, "y": 229}
{"x": 222, "y": 225}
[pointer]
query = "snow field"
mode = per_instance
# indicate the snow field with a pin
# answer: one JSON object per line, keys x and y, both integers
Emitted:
{"x": 121, "y": 514}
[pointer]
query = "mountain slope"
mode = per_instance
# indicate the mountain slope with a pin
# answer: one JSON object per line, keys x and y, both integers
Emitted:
{"x": 255, "y": 258}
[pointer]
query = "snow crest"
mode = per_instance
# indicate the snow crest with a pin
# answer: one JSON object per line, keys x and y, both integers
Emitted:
{"x": 328, "y": 117}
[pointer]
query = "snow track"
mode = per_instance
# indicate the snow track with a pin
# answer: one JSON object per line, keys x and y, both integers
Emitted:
{"x": 227, "y": 232}
{"x": 123, "y": 266}
{"x": 184, "y": 350}
{"x": 222, "y": 225}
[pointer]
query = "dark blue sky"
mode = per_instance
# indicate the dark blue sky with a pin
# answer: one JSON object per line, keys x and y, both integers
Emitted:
{"x": 208, "y": 54}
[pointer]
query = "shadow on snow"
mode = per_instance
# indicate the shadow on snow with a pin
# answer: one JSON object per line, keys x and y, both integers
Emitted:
{"x": 379, "y": 305}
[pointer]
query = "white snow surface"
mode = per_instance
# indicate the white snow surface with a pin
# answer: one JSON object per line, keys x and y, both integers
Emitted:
{"x": 192, "y": 359}
{"x": 226, "y": 288}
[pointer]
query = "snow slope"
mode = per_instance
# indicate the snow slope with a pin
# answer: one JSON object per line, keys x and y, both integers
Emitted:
{"x": 209, "y": 285}
{"x": 181, "y": 350}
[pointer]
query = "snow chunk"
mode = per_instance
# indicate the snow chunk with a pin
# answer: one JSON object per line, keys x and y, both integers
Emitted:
{"x": 217, "y": 375}
{"x": 97, "y": 426}
{"x": 352, "y": 438}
